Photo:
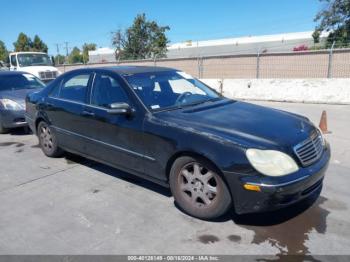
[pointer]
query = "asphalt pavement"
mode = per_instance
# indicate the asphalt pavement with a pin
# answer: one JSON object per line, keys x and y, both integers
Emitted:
{"x": 72, "y": 205}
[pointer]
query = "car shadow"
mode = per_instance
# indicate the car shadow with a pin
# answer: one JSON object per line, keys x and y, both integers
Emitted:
{"x": 264, "y": 219}
{"x": 286, "y": 229}
{"x": 20, "y": 131}
{"x": 114, "y": 172}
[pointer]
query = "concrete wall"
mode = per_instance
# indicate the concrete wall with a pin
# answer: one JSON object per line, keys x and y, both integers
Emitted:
{"x": 327, "y": 91}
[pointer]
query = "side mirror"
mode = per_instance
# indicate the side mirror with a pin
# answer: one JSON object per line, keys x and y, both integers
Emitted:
{"x": 119, "y": 109}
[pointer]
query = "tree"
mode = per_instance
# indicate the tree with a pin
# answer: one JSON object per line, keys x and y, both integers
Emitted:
{"x": 59, "y": 59}
{"x": 3, "y": 52}
{"x": 23, "y": 43}
{"x": 38, "y": 45}
{"x": 86, "y": 49}
{"x": 144, "y": 39}
{"x": 75, "y": 56}
{"x": 335, "y": 18}
{"x": 316, "y": 36}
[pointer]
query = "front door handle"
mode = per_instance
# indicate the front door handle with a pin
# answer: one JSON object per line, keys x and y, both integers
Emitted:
{"x": 87, "y": 113}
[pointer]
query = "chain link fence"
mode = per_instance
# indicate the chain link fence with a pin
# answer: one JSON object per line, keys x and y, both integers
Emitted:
{"x": 307, "y": 64}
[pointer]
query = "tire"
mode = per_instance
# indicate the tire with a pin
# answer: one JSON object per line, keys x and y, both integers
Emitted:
{"x": 27, "y": 130}
{"x": 48, "y": 141}
{"x": 198, "y": 189}
{"x": 2, "y": 129}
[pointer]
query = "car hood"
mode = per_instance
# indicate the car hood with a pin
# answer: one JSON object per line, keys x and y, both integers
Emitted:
{"x": 246, "y": 124}
{"x": 17, "y": 95}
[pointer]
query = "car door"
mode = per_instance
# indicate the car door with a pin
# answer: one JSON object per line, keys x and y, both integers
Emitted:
{"x": 114, "y": 138}
{"x": 65, "y": 110}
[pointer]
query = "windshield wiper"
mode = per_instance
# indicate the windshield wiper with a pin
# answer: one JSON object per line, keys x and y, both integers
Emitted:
{"x": 187, "y": 105}
{"x": 203, "y": 101}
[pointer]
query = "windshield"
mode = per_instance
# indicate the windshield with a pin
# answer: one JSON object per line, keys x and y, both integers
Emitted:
{"x": 34, "y": 60}
{"x": 169, "y": 89}
{"x": 17, "y": 82}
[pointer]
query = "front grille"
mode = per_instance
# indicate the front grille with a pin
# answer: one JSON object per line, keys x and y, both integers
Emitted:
{"x": 310, "y": 150}
{"x": 45, "y": 75}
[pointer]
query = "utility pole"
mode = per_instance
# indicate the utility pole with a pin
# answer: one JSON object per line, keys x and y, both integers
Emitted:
{"x": 258, "y": 64}
{"x": 66, "y": 51}
{"x": 58, "y": 53}
{"x": 330, "y": 61}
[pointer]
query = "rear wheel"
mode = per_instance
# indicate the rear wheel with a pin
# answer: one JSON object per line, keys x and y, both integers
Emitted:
{"x": 198, "y": 189}
{"x": 48, "y": 141}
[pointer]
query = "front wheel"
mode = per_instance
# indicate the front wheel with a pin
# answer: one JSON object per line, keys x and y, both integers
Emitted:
{"x": 2, "y": 129}
{"x": 198, "y": 189}
{"x": 48, "y": 141}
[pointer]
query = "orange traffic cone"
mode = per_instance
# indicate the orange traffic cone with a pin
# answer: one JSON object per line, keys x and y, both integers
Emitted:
{"x": 323, "y": 123}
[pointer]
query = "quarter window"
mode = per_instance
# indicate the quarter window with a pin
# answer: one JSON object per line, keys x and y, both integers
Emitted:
{"x": 106, "y": 91}
{"x": 75, "y": 88}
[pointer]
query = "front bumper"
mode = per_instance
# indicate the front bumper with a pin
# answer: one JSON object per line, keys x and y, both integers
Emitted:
{"x": 31, "y": 123}
{"x": 12, "y": 119}
{"x": 277, "y": 192}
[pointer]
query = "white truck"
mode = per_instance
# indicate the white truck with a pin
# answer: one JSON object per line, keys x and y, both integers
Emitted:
{"x": 36, "y": 63}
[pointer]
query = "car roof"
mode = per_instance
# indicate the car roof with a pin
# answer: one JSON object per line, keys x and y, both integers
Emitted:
{"x": 10, "y": 73}
{"x": 124, "y": 70}
{"x": 27, "y": 52}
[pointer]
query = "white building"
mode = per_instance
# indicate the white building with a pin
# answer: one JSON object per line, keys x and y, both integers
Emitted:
{"x": 243, "y": 45}
{"x": 227, "y": 46}
{"x": 102, "y": 55}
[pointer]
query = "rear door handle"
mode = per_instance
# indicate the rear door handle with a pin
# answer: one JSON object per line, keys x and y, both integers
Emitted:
{"x": 87, "y": 113}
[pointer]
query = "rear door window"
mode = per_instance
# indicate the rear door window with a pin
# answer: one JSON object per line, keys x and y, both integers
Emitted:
{"x": 75, "y": 88}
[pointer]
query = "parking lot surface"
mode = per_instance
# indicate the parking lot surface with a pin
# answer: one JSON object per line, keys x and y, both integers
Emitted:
{"x": 72, "y": 205}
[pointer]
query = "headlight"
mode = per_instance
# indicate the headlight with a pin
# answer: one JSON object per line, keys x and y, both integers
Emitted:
{"x": 10, "y": 104}
{"x": 271, "y": 162}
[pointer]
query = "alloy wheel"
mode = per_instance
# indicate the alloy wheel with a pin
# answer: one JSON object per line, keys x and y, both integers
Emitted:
{"x": 198, "y": 185}
{"x": 46, "y": 138}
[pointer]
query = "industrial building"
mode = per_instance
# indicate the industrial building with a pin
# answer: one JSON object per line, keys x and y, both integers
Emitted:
{"x": 228, "y": 46}
{"x": 243, "y": 45}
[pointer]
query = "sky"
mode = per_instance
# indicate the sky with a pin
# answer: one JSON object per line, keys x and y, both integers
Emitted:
{"x": 80, "y": 21}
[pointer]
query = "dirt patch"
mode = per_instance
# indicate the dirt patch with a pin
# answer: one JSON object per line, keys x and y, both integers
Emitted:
{"x": 208, "y": 239}
{"x": 18, "y": 144}
{"x": 234, "y": 238}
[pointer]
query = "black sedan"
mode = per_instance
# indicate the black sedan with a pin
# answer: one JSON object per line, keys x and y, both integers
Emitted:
{"x": 162, "y": 124}
{"x": 14, "y": 86}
